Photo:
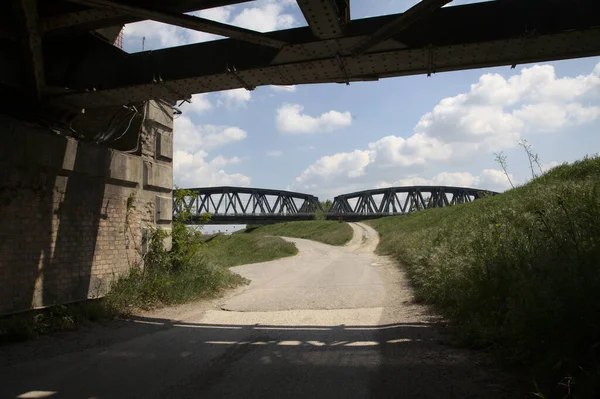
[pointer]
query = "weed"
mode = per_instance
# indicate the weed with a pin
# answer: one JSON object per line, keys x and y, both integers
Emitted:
{"x": 518, "y": 273}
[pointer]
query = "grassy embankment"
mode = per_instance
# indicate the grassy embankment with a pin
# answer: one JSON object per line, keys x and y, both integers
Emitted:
{"x": 241, "y": 249}
{"x": 325, "y": 231}
{"x": 517, "y": 273}
{"x": 194, "y": 268}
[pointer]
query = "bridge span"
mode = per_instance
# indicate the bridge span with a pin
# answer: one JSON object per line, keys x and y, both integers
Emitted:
{"x": 243, "y": 205}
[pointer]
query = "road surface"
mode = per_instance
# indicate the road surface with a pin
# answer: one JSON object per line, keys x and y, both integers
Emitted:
{"x": 331, "y": 322}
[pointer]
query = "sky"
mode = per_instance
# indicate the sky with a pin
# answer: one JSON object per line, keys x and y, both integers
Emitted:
{"x": 331, "y": 139}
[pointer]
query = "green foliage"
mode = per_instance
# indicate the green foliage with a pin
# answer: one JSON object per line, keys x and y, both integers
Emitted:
{"x": 175, "y": 276}
{"x": 240, "y": 249}
{"x": 325, "y": 231}
{"x": 518, "y": 273}
{"x": 326, "y": 205}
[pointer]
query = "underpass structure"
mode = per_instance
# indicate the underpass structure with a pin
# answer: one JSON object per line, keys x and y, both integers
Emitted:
{"x": 86, "y": 140}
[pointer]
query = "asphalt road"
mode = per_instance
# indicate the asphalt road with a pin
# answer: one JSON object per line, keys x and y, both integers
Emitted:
{"x": 331, "y": 322}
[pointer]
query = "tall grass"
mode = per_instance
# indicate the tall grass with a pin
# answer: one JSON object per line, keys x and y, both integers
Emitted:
{"x": 325, "y": 231}
{"x": 518, "y": 273}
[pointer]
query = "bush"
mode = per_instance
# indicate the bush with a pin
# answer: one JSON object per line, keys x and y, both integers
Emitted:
{"x": 175, "y": 276}
{"x": 518, "y": 273}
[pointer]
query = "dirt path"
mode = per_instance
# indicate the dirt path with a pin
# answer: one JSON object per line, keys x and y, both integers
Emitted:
{"x": 331, "y": 322}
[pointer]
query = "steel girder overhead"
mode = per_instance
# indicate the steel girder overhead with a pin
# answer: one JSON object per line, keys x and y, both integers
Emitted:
{"x": 241, "y": 205}
{"x": 401, "y": 200}
{"x": 82, "y": 70}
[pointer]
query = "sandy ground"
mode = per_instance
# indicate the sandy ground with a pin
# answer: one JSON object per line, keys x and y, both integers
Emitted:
{"x": 331, "y": 322}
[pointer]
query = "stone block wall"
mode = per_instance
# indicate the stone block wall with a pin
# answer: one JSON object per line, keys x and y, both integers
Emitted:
{"x": 73, "y": 215}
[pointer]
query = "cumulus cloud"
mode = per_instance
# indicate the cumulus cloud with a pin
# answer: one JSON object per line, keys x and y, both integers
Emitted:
{"x": 334, "y": 168}
{"x": 488, "y": 179}
{"x": 191, "y": 143}
{"x": 266, "y": 17}
{"x": 192, "y": 170}
{"x": 234, "y": 98}
{"x": 290, "y": 119}
{"x": 198, "y": 104}
{"x": 191, "y": 138}
{"x": 490, "y": 117}
{"x": 220, "y": 160}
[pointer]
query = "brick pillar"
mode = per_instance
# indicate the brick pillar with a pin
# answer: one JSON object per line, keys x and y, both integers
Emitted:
{"x": 74, "y": 214}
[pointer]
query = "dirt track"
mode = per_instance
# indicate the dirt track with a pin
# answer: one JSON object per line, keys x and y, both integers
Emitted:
{"x": 331, "y": 322}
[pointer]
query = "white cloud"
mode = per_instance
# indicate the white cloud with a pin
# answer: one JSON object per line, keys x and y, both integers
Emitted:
{"x": 334, "y": 168}
{"x": 220, "y": 160}
{"x": 289, "y": 89}
{"x": 191, "y": 138}
{"x": 549, "y": 165}
{"x": 488, "y": 179}
{"x": 490, "y": 117}
{"x": 276, "y": 153}
{"x": 418, "y": 149}
{"x": 290, "y": 119}
{"x": 234, "y": 98}
{"x": 267, "y": 17}
{"x": 192, "y": 170}
{"x": 191, "y": 143}
{"x": 198, "y": 104}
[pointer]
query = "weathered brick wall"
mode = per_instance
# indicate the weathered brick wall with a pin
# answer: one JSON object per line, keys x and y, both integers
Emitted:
{"x": 72, "y": 215}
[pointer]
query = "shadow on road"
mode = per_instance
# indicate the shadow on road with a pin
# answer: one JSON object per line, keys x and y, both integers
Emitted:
{"x": 151, "y": 357}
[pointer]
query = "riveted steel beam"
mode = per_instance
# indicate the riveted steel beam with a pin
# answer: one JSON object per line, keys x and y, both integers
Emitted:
{"x": 94, "y": 18}
{"x": 455, "y": 38}
{"x": 326, "y": 18}
{"x": 26, "y": 12}
{"x": 419, "y": 11}
{"x": 186, "y": 21}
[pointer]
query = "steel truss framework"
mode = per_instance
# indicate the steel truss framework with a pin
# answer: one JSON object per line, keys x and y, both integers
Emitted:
{"x": 401, "y": 200}
{"x": 246, "y": 205}
{"x": 89, "y": 72}
{"x": 233, "y": 205}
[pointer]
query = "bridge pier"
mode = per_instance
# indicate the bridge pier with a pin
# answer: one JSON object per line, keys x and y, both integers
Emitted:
{"x": 74, "y": 215}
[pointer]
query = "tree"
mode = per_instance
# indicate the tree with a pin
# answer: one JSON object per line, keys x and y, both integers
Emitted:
{"x": 326, "y": 205}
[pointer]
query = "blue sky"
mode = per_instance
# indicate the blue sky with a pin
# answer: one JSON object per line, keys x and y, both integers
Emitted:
{"x": 332, "y": 139}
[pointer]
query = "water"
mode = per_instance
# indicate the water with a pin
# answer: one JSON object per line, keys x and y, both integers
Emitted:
{"x": 222, "y": 228}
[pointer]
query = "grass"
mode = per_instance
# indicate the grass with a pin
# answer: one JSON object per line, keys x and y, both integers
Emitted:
{"x": 517, "y": 273}
{"x": 240, "y": 249}
{"x": 325, "y": 231}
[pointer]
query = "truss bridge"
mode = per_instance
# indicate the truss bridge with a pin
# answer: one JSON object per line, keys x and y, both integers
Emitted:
{"x": 242, "y": 205}
{"x": 389, "y": 201}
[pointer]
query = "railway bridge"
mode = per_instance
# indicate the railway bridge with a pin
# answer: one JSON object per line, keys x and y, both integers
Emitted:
{"x": 243, "y": 205}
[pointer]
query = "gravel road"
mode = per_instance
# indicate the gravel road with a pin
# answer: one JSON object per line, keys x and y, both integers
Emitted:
{"x": 331, "y": 322}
